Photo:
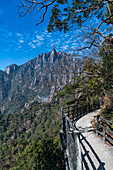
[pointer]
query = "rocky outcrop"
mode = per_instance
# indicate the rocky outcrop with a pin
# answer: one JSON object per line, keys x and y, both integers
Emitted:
{"x": 11, "y": 69}
{"x": 42, "y": 76}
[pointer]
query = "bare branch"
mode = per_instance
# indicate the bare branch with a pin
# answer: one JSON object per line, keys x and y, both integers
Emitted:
{"x": 31, "y": 5}
{"x": 43, "y": 16}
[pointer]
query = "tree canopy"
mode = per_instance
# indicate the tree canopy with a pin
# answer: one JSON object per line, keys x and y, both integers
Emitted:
{"x": 97, "y": 76}
{"x": 42, "y": 155}
{"x": 65, "y": 14}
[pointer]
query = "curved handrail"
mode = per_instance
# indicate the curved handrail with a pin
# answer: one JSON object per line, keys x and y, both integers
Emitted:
{"x": 70, "y": 131}
{"x": 104, "y": 129}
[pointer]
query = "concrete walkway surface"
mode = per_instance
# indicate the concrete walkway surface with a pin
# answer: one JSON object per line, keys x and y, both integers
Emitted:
{"x": 96, "y": 154}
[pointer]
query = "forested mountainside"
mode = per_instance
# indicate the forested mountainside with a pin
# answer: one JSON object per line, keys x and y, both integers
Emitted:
{"x": 30, "y": 139}
{"x": 29, "y": 127}
{"x": 42, "y": 76}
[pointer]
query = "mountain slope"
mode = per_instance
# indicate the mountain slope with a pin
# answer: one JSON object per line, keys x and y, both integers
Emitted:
{"x": 42, "y": 76}
{"x": 22, "y": 138}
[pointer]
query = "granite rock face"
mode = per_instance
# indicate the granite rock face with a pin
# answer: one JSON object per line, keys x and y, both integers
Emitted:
{"x": 42, "y": 76}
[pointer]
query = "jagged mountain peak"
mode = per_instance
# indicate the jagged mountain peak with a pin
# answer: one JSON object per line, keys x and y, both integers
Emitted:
{"x": 41, "y": 76}
{"x": 11, "y": 68}
{"x": 53, "y": 51}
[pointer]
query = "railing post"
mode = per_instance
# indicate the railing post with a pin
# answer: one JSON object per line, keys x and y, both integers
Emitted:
{"x": 63, "y": 123}
{"x": 82, "y": 109}
{"x": 73, "y": 113}
{"x": 68, "y": 110}
{"x": 78, "y": 151}
{"x": 99, "y": 104}
{"x": 85, "y": 109}
{"x": 63, "y": 140}
{"x": 93, "y": 104}
{"x": 88, "y": 107}
{"x": 97, "y": 125}
{"x": 79, "y": 111}
{"x": 76, "y": 110}
{"x": 104, "y": 133}
{"x": 100, "y": 101}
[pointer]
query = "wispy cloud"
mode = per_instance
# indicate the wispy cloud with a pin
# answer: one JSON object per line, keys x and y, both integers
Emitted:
{"x": 39, "y": 44}
{"x": 30, "y": 43}
{"x": 24, "y": 42}
{"x": 36, "y": 41}
{"x": 21, "y": 41}
{"x": 33, "y": 46}
{"x": 39, "y": 37}
{"x": 65, "y": 47}
{"x": 18, "y": 34}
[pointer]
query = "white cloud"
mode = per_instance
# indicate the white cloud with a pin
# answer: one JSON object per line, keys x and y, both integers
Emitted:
{"x": 57, "y": 42}
{"x": 73, "y": 47}
{"x": 48, "y": 35}
{"x": 74, "y": 44}
{"x": 46, "y": 32}
{"x": 51, "y": 40}
{"x": 75, "y": 40}
{"x": 29, "y": 43}
{"x": 35, "y": 41}
{"x": 18, "y": 34}
{"x": 66, "y": 35}
{"x": 39, "y": 44}
{"x": 68, "y": 42}
{"x": 65, "y": 47}
{"x": 52, "y": 45}
{"x": 43, "y": 40}
{"x": 21, "y": 41}
{"x": 39, "y": 37}
{"x": 33, "y": 46}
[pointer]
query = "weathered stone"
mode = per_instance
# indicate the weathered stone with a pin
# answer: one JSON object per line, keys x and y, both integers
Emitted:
{"x": 44, "y": 75}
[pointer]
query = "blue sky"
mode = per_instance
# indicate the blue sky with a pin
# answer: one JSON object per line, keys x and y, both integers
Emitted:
{"x": 21, "y": 40}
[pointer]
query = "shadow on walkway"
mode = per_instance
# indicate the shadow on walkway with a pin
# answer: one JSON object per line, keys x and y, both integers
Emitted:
{"x": 86, "y": 154}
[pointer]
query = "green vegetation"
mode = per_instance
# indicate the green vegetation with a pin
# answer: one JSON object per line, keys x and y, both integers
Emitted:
{"x": 43, "y": 154}
{"x": 30, "y": 139}
{"x": 94, "y": 83}
{"x": 27, "y": 138}
{"x": 108, "y": 113}
{"x": 67, "y": 13}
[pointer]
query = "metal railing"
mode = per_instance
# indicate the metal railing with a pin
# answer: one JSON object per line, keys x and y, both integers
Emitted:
{"x": 104, "y": 131}
{"x": 76, "y": 111}
{"x": 69, "y": 135}
{"x": 70, "y": 142}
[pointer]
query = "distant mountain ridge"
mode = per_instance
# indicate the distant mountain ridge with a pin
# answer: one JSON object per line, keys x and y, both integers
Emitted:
{"x": 42, "y": 76}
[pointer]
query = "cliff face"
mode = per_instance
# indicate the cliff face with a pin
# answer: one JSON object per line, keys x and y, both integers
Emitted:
{"x": 42, "y": 76}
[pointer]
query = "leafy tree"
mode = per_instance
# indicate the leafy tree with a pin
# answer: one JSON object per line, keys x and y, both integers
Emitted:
{"x": 96, "y": 80}
{"x": 42, "y": 155}
{"x": 18, "y": 132}
{"x": 65, "y": 14}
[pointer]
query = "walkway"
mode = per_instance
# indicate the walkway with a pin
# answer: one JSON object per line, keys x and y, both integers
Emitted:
{"x": 95, "y": 154}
